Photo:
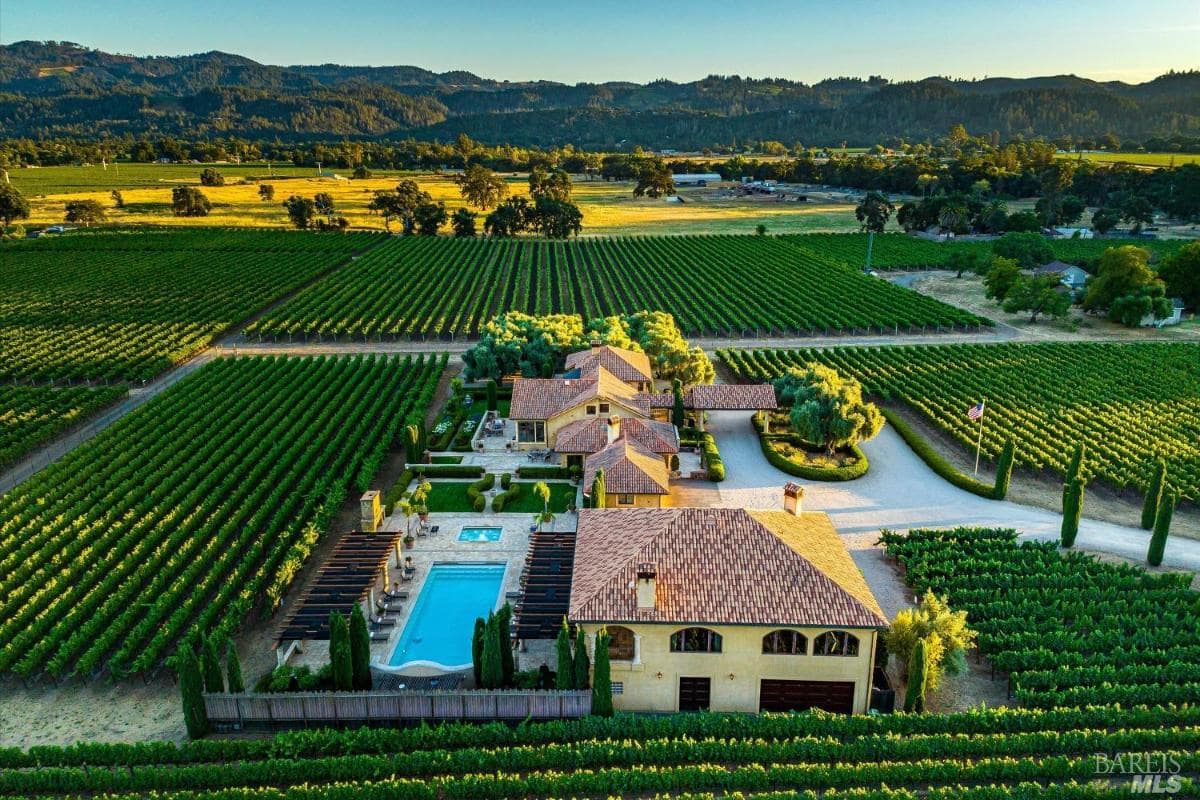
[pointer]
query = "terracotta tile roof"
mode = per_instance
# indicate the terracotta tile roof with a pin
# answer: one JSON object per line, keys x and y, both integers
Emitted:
{"x": 718, "y": 566}
{"x": 542, "y": 398}
{"x": 721, "y": 397}
{"x": 629, "y": 468}
{"x": 731, "y": 397}
{"x": 627, "y": 365}
{"x": 591, "y": 435}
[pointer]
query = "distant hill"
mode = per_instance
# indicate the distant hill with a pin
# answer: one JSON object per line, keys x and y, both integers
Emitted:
{"x": 63, "y": 89}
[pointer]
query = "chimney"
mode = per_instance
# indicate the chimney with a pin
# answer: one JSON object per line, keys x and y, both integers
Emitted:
{"x": 793, "y": 498}
{"x": 595, "y": 346}
{"x": 614, "y": 429}
{"x": 647, "y": 575}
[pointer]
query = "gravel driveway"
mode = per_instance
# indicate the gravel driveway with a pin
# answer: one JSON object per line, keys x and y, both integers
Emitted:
{"x": 900, "y": 492}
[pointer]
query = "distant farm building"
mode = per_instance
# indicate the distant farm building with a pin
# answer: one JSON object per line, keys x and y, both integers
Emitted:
{"x": 695, "y": 178}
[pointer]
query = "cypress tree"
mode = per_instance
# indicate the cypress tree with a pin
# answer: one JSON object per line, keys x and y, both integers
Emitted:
{"x": 1154, "y": 495}
{"x": 1004, "y": 467}
{"x": 602, "y": 702}
{"x": 1072, "y": 511}
{"x": 233, "y": 669}
{"x": 581, "y": 660}
{"x": 565, "y": 677}
{"x": 491, "y": 395}
{"x": 477, "y": 650}
{"x": 504, "y": 640}
{"x": 412, "y": 444}
{"x": 191, "y": 691}
{"x": 492, "y": 670}
{"x": 914, "y": 695}
{"x": 599, "y": 498}
{"x": 210, "y": 667}
{"x": 678, "y": 415}
{"x": 360, "y": 649}
{"x": 1162, "y": 527}
{"x": 340, "y": 659}
{"x": 1075, "y": 468}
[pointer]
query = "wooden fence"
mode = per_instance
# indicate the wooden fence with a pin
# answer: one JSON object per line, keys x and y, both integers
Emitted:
{"x": 328, "y": 709}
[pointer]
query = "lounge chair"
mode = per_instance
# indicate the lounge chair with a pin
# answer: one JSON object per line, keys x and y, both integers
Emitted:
{"x": 399, "y": 596}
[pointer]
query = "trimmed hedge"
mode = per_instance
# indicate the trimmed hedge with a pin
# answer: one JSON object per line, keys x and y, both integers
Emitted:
{"x": 712, "y": 458}
{"x": 447, "y": 470}
{"x": 475, "y": 491}
{"x": 934, "y": 459}
{"x": 511, "y": 492}
{"x": 392, "y": 496}
{"x": 809, "y": 471}
{"x": 544, "y": 473}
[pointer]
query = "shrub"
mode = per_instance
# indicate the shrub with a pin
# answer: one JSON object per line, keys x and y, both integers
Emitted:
{"x": 491, "y": 395}
{"x": 507, "y": 496}
{"x": 475, "y": 491}
{"x": 449, "y": 471}
{"x": 392, "y": 496}
{"x": 712, "y": 459}
{"x": 943, "y": 634}
{"x": 544, "y": 473}
{"x": 506, "y": 480}
{"x": 812, "y": 472}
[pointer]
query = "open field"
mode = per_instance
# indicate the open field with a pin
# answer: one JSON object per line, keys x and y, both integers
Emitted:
{"x": 734, "y": 285}
{"x": 969, "y": 294}
{"x": 609, "y": 208}
{"x": 193, "y": 510}
{"x": 1140, "y": 159}
{"x": 120, "y": 307}
{"x": 1129, "y": 403}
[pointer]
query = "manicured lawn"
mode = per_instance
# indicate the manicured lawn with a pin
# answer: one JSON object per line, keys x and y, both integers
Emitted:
{"x": 449, "y": 496}
{"x": 562, "y": 494}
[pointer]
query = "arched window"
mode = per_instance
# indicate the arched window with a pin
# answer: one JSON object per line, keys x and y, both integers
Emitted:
{"x": 695, "y": 640}
{"x": 784, "y": 642}
{"x": 835, "y": 643}
{"x": 620, "y": 644}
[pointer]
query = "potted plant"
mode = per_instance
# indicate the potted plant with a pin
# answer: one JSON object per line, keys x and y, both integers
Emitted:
{"x": 408, "y": 541}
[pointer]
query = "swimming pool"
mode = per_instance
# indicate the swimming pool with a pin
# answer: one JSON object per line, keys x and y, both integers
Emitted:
{"x": 474, "y": 534}
{"x": 438, "y": 631}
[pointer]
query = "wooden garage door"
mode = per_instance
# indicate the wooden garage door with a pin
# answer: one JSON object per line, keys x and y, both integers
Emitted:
{"x": 694, "y": 694}
{"x": 835, "y": 696}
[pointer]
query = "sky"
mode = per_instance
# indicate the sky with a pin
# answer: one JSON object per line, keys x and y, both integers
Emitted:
{"x": 602, "y": 40}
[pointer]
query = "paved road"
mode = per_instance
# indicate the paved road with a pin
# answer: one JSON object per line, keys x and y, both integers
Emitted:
{"x": 900, "y": 492}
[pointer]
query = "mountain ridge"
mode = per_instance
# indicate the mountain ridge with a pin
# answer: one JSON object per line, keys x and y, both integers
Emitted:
{"x": 64, "y": 89}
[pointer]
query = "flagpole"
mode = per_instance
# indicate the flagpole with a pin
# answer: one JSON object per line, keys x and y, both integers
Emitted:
{"x": 979, "y": 441}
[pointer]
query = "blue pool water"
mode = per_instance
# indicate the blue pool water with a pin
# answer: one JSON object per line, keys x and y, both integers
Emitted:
{"x": 480, "y": 534}
{"x": 442, "y": 620}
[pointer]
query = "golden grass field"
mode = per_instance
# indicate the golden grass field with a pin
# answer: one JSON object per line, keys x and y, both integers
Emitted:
{"x": 1141, "y": 159}
{"x": 608, "y": 208}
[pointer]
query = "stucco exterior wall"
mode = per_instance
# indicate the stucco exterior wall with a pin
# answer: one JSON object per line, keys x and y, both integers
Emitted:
{"x": 556, "y": 423}
{"x": 639, "y": 501}
{"x": 741, "y": 657}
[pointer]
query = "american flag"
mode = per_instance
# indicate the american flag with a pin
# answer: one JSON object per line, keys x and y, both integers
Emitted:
{"x": 976, "y": 412}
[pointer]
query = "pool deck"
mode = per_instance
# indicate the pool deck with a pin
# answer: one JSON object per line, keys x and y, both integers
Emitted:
{"x": 444, "y": 547}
